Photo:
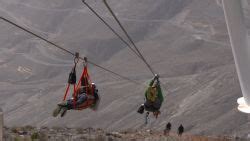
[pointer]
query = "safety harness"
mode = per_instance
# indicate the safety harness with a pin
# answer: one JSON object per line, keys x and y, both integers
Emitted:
{"x": 84, "y": 81}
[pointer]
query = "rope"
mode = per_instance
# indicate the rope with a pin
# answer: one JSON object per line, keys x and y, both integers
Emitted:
{"x": 118, "y": 35}
{"x": 26, "y": 30}
{"x": 114, "y": 73}
{"x": 73, "y": 54}
{"x": 130, "y": 39}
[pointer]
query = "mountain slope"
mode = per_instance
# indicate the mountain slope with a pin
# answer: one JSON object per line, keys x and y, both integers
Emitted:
{"x": 185, "y": 41}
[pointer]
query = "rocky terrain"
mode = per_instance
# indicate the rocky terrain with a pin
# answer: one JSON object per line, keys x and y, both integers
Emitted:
{"x": 185, "y": 41}
{"x": 29, "y": 133}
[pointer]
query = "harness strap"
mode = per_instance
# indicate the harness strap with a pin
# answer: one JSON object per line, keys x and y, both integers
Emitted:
{"x": 76, "y": 87}
{"x": 89, "y": 90}
{"x": 74, "y": 95}
{"x": 88, "y": 78}
{"x": 85, "y": 73}
{"x": 72, "y": 77}
{"x": 85, "y": 105}
{"x": 79, "y": 81}
{"x": 66, "y": 92}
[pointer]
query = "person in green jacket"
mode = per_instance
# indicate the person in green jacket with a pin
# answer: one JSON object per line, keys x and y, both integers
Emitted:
{"x": 153, "y": 96}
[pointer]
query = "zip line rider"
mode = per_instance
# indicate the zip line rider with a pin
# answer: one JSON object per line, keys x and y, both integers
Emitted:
{"x": 153, "y": 96}
{"x": 85, "y": 94}
{"x": 82, "y": 97}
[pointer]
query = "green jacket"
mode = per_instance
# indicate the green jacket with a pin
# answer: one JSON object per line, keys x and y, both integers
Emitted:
{"x": 158, "y": 89}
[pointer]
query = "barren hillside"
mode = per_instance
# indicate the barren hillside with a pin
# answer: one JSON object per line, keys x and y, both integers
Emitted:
{"x": 185, "y": 41}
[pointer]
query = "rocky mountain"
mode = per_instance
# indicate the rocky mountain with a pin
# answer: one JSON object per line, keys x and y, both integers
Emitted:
{"x": 185, "y": 41}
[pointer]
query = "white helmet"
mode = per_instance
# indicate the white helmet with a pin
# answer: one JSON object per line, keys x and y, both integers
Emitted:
{"x": 93, "y": 85}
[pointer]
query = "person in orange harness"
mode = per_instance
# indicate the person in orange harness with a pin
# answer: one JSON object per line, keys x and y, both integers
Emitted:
{"x": 85, "y": 95}
{"x": 82, "y": 97}
{"x": 82, "y": 101}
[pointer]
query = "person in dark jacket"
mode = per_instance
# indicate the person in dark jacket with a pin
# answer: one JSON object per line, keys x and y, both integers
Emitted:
{"x": 180, "y": 130}
{"x": 167, "y": 129}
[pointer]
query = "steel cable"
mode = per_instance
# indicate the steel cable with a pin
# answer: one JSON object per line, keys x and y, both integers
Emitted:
{"x": 59, "y": 47}
{"x": 130, "y": 39}
{"x": 118, "y": 35}
{"x": 136, "y": 51}
{"x": 127, "y": 35}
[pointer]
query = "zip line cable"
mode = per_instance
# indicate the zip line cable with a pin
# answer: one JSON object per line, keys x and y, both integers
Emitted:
{"x": 137, "y": 52}
{"x": 130, "y": 39}
{"x": 26, "y": 30}
{"x": 118, "y": 35}
{"x": 73, "y": 54}
{"x": 67, "y": 51}
{"x": 127, "y": 35}
{"x": 113, "y": 72}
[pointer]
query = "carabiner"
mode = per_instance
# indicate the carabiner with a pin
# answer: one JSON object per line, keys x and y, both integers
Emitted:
{"x": 76, "y": 59}
{"x": 85, "y": 61}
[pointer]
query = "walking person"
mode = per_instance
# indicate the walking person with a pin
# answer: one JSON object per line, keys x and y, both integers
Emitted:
{"x": 167, "y": 129}
{"x": 180, "y": 130}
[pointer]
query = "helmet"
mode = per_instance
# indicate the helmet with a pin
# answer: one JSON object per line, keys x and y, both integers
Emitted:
{"x": 93, "y": 85}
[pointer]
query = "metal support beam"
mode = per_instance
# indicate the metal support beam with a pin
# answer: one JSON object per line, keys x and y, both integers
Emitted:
{"x": 1, "y": 124}
{"x": 240, "y": 47}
